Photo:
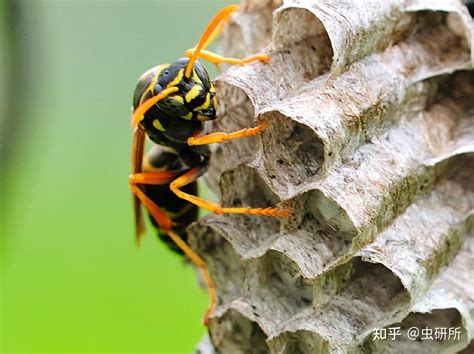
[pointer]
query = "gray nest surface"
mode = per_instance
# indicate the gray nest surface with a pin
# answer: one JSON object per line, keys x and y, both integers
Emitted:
{"x": 371, "y": 141}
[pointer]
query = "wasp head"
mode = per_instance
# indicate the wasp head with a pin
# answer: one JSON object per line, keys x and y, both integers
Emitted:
{"x": 195, "y": 98}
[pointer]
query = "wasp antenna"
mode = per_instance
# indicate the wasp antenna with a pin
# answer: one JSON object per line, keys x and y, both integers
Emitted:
{"x": 208, "y": 33}
{"x": 141, "y": 110}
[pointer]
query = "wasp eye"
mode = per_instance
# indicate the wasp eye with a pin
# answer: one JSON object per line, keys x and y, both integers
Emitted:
{"x": 158, "y": 88}
{"x": 182, "y": 61}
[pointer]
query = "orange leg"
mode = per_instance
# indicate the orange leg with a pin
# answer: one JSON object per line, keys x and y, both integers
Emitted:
{"x": 138, "y": 148}
{"x": 193, "y": 174}
{"x": 199, "y": 262}
{"x": 165, "y": 223}
{"x": 160, "y": 216}
{"x": 219, "y": 137}
{"x": 217, "y": 59}
{"x": 154, "y": 178}
{"x": 210, "y": 33}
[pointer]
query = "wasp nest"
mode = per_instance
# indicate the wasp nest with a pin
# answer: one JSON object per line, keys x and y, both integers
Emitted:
{"x": 371, "y": 141}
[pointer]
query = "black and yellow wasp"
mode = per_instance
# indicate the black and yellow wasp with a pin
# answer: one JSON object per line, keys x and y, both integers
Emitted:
{"x": 170, "y": 105}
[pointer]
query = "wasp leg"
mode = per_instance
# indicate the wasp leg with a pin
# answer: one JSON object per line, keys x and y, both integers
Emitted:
{"x": 164, "y": 177}
{"x": 138, "y": 148}
{"x": 210, "y": 33}
{"x": 193, "y": 174}
{"x": 165, "y": 223}
{"x": 219, "y": 137}
{"x": 199, "y": 262}
{"x": 218, "y": 59}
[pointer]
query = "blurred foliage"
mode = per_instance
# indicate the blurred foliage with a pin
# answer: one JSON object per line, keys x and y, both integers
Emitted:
{"x": 72, "y": 279}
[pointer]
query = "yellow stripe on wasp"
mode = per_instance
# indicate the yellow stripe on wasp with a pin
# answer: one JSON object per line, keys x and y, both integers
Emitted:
{"x": 171, "y": 104}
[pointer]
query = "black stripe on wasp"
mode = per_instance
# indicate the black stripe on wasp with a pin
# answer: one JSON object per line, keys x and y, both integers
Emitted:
{"x": 170, "y": 106}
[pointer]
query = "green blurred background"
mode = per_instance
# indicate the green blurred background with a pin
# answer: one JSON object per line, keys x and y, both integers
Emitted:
{"x": 72, "y": 279}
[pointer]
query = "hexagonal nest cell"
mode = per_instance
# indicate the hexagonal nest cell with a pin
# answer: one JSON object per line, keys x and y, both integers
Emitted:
{"x": 370, "y": 142}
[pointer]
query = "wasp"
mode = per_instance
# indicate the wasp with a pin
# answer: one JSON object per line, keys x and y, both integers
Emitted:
{"x": 171, "y": 104}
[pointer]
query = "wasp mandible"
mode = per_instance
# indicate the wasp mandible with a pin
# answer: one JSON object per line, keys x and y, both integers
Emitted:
{"x": 171, "y": 103}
